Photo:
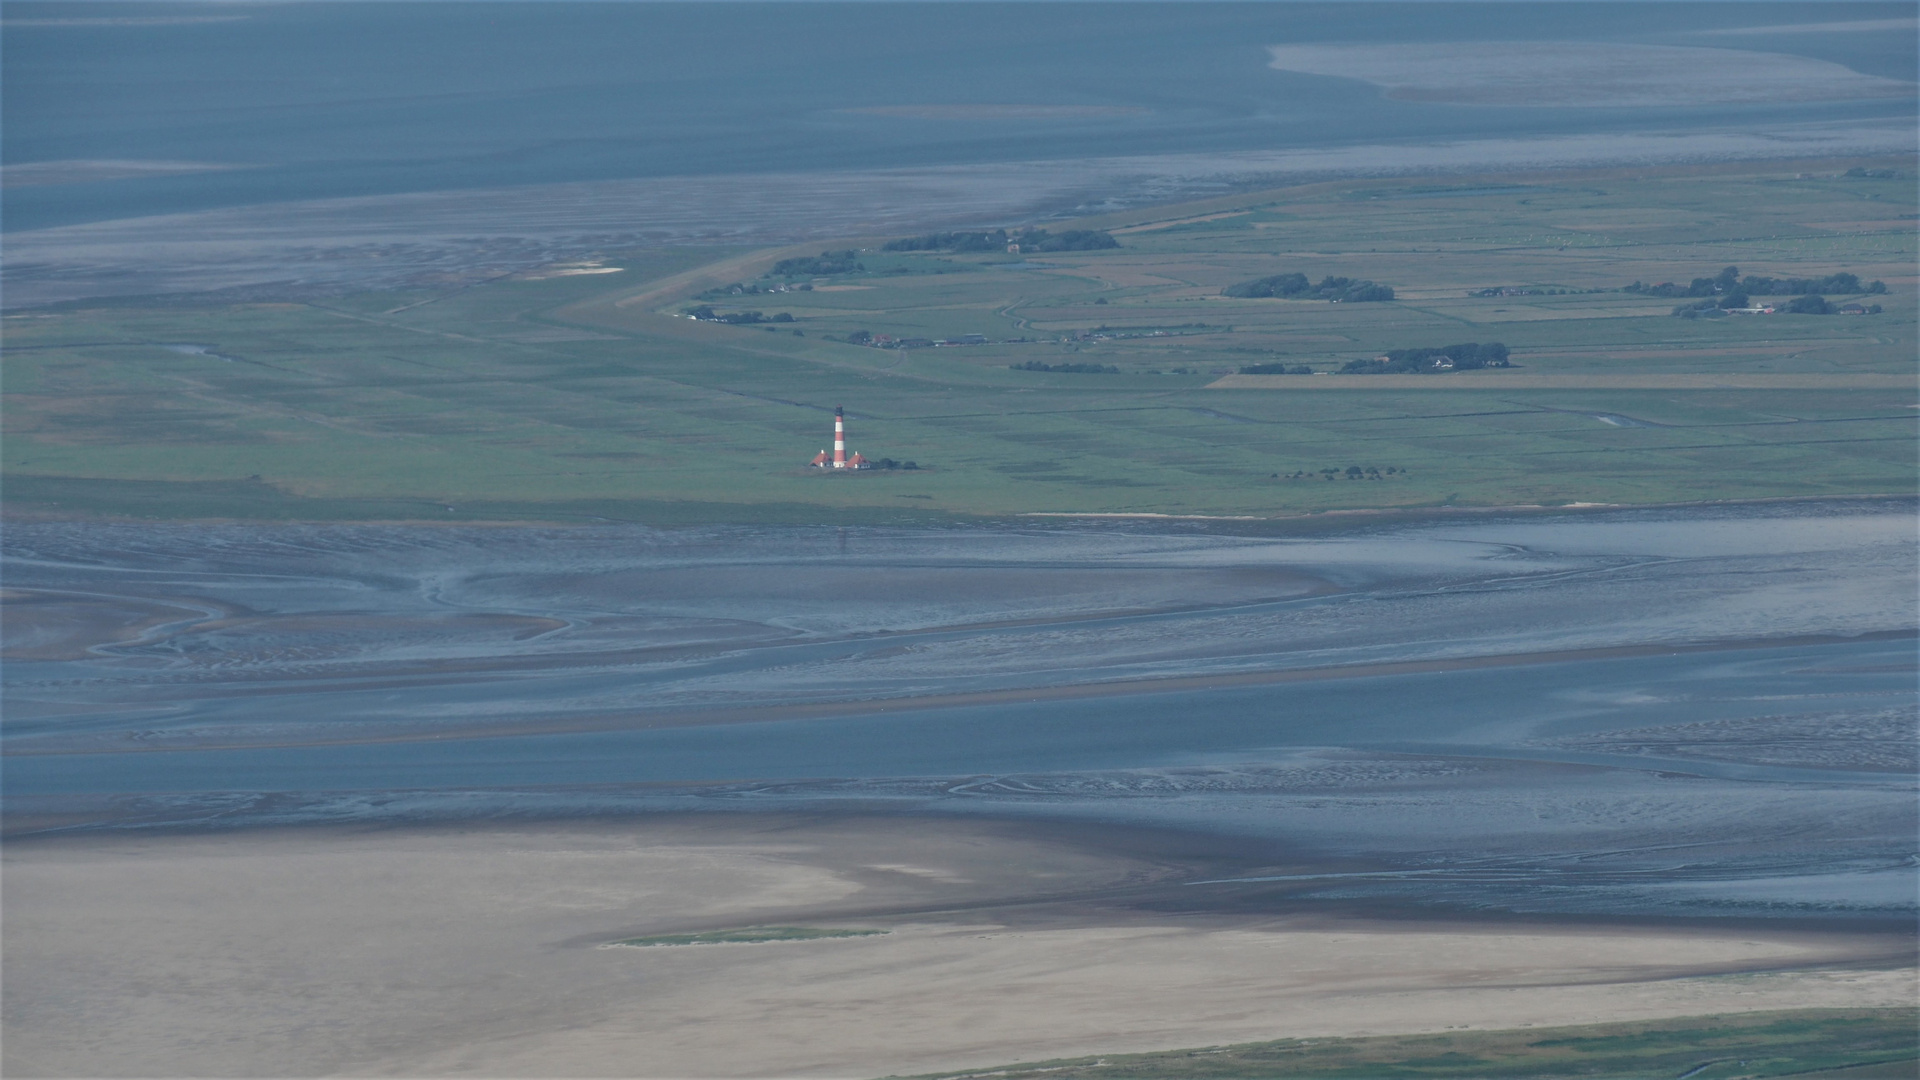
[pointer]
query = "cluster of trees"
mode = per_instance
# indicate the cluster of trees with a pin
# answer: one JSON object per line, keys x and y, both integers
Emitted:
{"x": 1810, "y": 304}
{"x": 825, "y": 264}
{"x": 889, "y": 463}
{"x": 1859, "y": 173}
{"x": 1297, "y": 287}
{"x": 1530, "y": 290}
{"x": 1464, "y": 357}
{"x": 748, "y": 288}
{"x": 953, "y": 241}
{"x": 1167, "y": 330}
{"x": 1353, "y": 472}
{"x": 1074, "y": 369}
{"x": 1728, "y": 282}
{"x": 1717, "y": 307}
{"x": 1277, "y": 369}
{"x": 705, "y": 313}
{"x": 1832, "y": 283}
{"x": 998, "y": 239}
{"x": 1070, "y": 240}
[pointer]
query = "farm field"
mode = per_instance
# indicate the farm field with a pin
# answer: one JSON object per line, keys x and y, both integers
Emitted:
{"x": 571, "y": 395}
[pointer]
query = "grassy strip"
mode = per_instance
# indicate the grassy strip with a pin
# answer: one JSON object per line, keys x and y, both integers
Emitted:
{"x": 586, "y": 398}
{"x": 1813, "y": 1042}
{"x": 68, "y": 498}
{"x": 1501, "y": 380}
{"x": 748, "y": 936}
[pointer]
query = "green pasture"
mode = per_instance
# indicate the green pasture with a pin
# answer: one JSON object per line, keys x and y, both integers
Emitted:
{"x": 589, "y": 398}
{"x": 1815, "y": 1043}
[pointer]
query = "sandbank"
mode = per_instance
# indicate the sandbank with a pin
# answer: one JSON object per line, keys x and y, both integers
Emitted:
{"x": 476, "y": 951}
{"x": 1588, "y": 74}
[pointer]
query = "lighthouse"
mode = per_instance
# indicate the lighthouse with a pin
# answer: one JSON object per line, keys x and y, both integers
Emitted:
{"x": 839, "y": 459}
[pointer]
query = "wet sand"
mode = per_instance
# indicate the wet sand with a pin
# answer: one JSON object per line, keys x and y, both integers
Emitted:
{"x": 147, "y": 742}
{"x": 1528, "y": 714}
{"x": 370, "y": 800}
{"x": 1585, "y": 74}
{"x": 479, "y": 950}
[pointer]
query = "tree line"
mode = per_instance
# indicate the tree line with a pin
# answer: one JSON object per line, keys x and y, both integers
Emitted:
{"x": 1074, "y": 369}
{"x": 1469, "y": 356}
{"x": 1810, "y": 304}
{"x": 1353, "y": 472}
{"x": 705, "y": 313}
{"x": 748, "y": 288}
{"x": 1728, "y": 282}
{"x": 1030, "y": 240}
{"x": 1297, "y": 287}
{"x": 825, "y": 264}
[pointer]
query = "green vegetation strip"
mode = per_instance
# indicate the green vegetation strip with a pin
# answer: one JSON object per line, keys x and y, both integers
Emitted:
{"x": 748, "y": 936}
{"x": 1814, "y": 1042}
{"x": 1518, "y": 381}
{"x": 1101, "y": 375}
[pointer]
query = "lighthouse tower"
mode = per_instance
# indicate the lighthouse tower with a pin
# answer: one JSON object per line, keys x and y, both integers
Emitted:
{"x": 840, "y": 458}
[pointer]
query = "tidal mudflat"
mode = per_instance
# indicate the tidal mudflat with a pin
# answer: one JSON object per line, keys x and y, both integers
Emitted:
{"x": 1399, "y": 776}
{"x": 324, "y": 247}
{"x": 269, "y": 183}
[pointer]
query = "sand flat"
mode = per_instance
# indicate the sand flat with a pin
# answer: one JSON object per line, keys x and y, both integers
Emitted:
{"x": 1583, "y": 73}
{"x": 476, "y": 951}
{"x": 252, "y": 244}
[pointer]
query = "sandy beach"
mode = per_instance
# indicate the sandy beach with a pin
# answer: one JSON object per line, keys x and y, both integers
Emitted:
{"x": 482, "y": 950}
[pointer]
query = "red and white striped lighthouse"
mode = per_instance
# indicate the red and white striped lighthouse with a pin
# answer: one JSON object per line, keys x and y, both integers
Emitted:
{"x": 839, "y": 438}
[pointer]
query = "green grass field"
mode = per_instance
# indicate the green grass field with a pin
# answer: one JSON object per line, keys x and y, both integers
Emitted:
{"x": 587, "y": 397}
{"x": 1852, "y": 1044}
